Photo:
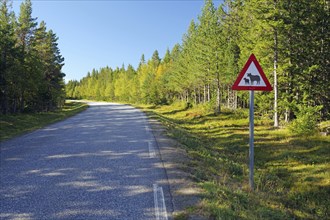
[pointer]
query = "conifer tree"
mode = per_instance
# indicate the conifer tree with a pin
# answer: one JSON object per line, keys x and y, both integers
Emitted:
{"x": 8, "y": 56}
{"x": 167, "y": 57}
{"x": 155, "y": 59}
{"x": 25, "y": 33}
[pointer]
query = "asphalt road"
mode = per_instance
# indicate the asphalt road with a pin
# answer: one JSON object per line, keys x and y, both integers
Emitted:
{"x": 100, "y": 164}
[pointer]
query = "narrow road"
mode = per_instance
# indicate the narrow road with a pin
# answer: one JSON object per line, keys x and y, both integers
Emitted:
{"x": 100, "y": 164}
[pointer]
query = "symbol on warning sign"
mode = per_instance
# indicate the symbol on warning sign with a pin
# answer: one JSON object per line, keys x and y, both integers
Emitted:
{"x": 252, "y": 77}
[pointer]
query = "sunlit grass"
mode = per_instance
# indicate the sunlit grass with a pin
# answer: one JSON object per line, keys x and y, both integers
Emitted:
{"x": 292, "y": 174}
{"x": 17, "y": 124}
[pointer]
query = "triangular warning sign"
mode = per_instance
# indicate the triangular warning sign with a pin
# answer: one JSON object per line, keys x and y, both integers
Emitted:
{"x": 252, "y": 77}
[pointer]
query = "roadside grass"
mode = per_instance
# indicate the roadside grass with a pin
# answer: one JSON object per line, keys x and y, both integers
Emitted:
{"x": 16, "y": 124}
{"x": 292, "y": 174}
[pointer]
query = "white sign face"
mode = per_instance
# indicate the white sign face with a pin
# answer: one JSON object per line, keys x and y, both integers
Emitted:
{"x": 252, "y": 77}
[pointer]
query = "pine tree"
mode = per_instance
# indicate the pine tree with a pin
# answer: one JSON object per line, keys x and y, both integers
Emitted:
{"x": 54, "y": 75}
{"x": 155, "y": 59}
{"x": 142, "y": 61}
{"x": 25, "y": 33}
{"x": 208, "y": 44}
{"x": 8, "y": 57}
{"x": 167, "y": 57}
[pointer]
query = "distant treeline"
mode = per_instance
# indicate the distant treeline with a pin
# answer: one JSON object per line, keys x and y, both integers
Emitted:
{"x": 289, "y": 38}
{"x": 30, "y": 63}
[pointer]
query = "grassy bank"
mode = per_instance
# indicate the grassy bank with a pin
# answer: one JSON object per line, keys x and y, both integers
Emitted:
{"x": 292, "y": 174}
{"x": 14, "y": 125}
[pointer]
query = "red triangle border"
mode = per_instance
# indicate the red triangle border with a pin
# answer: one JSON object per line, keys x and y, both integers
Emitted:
{"x": 251, "y": 59}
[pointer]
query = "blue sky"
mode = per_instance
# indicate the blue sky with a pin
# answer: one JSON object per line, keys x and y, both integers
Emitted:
{"x": 95, "y": 34}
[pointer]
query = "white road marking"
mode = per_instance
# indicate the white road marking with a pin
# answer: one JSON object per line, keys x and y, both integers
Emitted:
{"x": 146, "y": 126}
{"x": 160, "y": 207}
{"x": 152, "y": 152}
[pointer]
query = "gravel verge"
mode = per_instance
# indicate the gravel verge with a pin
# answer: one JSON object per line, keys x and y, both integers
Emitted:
{"x": 185, "y": 192}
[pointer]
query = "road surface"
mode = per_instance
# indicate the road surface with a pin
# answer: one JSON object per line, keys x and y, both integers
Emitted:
{"x": 100, "y": 164}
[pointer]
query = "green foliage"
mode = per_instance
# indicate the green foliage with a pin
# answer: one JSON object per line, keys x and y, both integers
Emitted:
{"x": 306, "y": 121}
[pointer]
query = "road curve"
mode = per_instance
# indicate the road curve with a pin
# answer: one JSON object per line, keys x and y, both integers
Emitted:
{"x": 100, "y": 164}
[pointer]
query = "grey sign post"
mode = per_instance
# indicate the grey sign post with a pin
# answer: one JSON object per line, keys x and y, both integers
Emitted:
{"x": 252, "y": 78}
{"x": 251, "y": 149}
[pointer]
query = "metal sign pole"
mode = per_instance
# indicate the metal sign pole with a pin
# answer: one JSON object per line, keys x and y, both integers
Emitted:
{"x": 251, "y": 151}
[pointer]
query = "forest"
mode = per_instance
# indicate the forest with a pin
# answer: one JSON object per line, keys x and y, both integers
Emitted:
{"x": 289, "y": 38}
{"x": 31, "y": 79}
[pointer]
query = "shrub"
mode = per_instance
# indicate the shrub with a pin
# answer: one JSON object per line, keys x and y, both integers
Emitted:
{"x": 306, "y": 121}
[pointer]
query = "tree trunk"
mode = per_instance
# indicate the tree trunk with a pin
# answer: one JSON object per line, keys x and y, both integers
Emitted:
{"x": 235, "y": 99}
{"x": 218, "y": 109}
{"x": 204, "y": 93}
{"x": 195, "y": 92}
{"x": 22, "y": 102}
{"x": 276, "y": 124}
{"x": 208, "y": 93}
{"x": 4, "y": 99}
{"x": 228, "y": 97}
{"x": 287, "y": 115}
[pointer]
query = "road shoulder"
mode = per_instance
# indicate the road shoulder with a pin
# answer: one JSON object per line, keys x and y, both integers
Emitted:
{"x": 185, "y": 193}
